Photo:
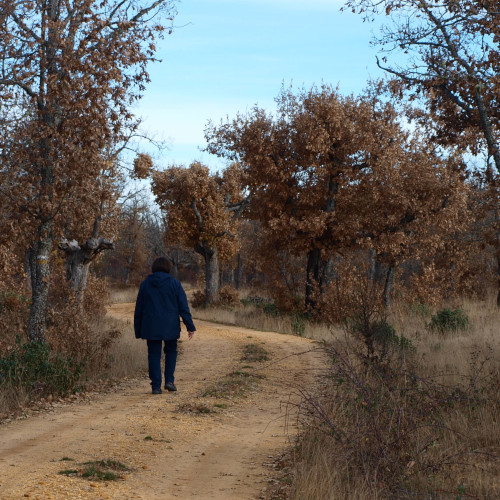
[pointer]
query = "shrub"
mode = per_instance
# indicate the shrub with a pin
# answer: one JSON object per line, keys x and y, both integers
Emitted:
{"x": 421, "y": 309}
{"x": 379, "y": 337}
{"x": 228, "y": 296}
{"x": 198, "y": 299}
{"x": 271, "y": 309}
{"x": 395, "y": 430}
{"x": 448, "y": 320}
{"x": 255, "y": 300}
{"x": 299, "y": 324}
{"x": 32, "y": 365}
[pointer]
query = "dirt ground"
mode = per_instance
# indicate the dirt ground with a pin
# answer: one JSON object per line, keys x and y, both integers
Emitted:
{"x": 173, "y": 453}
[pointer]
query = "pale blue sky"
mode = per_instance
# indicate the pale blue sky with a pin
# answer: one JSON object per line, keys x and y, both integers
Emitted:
{"x": 227, "y": 55}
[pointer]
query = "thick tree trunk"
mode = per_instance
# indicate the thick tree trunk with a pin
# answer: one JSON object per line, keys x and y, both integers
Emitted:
{"x": 77, "y": 271}
{"x": 40, "y": 282}
{"x": 212, "y": 283}
{"x": 316, "y": 267}
{"x": 78, "y": 260}
{"x": 212, "y": 273}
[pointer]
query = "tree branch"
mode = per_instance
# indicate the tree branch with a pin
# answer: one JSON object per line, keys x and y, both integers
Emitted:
{"x": 197, "y": 214}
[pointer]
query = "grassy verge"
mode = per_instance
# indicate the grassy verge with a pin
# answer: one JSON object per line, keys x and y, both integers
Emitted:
{"x": 419, "y": 423}
{"x": 254, "y": 318}
{"x": 33, "y": 375}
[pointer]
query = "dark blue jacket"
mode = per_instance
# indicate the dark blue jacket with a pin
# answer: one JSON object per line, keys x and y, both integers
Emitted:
{"x": 160, "y": 302}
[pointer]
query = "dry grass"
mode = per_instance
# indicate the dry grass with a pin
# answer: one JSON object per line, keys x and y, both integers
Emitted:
{"x": 450, "y": 447}
{"x": 254, "y": 318}
{"x": 127, "y": 357}
{"x": 453, "y": 355}
{"x": 123, "y": 295}
{"x": 316, "y": 478}
{"x": 245, "y": 316}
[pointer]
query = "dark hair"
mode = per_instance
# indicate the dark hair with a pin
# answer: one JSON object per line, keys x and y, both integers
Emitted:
{"x": 161, "y": 264}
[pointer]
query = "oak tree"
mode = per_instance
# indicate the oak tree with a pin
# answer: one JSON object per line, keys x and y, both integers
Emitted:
{"x": 329, "y": 173}
{"x": 74, "y": 67}
{"x": 201, "y": 210}
{"x": 446, "y": 55}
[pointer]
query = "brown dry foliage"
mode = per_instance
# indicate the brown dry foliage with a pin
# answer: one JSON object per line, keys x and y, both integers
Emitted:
{"x": 330, "y": 174}
{"x": 228, "y": 296}
{"x": 143, "y": 164}
{"x": 195, "y": 204}
{"x": 76, "y": 331}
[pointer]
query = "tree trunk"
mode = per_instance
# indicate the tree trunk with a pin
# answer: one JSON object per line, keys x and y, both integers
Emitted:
{"x": 78, "y": 260}
{"x": 239, "y": 272}
{"x": 314, "y": 277}
{"x": 212, "y": 274}
{"x": 487, "y": 129}
{"x": 498, "y": 274}
{"x": 77, "y": 271}
{"x": 212, "y": 282}
{"x": 128, "y": 270}
{"x": 40, "y": 282}
{"x": 372, "y": 262}
{"x": 389, "y": 282}
{"x": 175, "y": 268}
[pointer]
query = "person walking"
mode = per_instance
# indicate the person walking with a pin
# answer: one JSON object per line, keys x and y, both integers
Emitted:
{"x": 160, "y": 302}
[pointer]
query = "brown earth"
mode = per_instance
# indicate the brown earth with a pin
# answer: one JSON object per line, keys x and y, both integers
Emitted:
{"x": 223, "y": 454}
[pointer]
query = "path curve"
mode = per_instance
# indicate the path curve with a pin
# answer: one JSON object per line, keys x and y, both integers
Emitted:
{"x": 220, "y": 455}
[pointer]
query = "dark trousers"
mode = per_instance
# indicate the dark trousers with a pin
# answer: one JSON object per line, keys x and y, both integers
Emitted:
{"x": 154, "y": 360}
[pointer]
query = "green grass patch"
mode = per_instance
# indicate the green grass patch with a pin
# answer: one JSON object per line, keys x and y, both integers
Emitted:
{"x": 68, "y": 472}
{"x": 448, "y": 321}
{"x": 254, "y": 353}
{"x": 99, "y": 470}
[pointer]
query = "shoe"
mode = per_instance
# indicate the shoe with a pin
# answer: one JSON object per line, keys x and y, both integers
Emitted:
{"x": 170, "y": 386}
{"x": 156, "y": 391}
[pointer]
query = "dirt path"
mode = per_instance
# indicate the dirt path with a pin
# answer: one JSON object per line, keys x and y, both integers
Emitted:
{"x": 218, "y": 455}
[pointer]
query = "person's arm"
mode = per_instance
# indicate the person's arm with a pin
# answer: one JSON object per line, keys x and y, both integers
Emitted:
{"x": 139, "y": 305}
{"x": 184, "y": 311}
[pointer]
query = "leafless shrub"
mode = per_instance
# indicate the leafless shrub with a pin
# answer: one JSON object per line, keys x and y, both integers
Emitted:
{"x": 401, "y": 435}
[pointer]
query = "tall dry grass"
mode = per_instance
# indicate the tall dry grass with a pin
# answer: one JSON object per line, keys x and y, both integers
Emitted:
{"x": 250, "y": 316}
{"x": 123, "y": 295}
{"x": 426, "y": 427}
{"x": 127, "y": 357}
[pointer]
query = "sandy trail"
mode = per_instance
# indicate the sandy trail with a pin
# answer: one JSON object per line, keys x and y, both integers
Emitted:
{"x": 219, "y": 455}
